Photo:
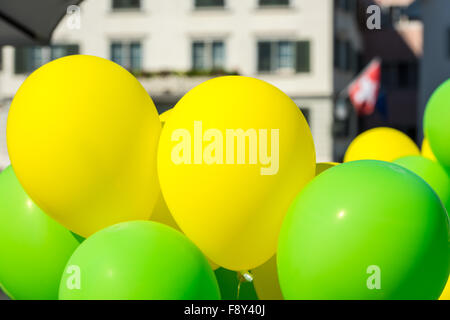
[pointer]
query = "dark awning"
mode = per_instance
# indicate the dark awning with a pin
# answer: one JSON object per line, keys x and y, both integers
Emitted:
{"x": 30, "y": 21}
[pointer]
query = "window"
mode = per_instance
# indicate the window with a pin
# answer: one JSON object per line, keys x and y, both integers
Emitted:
{"x": 346, "y": 5}
{"x": 400, "y": 75}
{"x": 209, "y": 3}
{"x": 448, "y": 43}
{"x": 279, "y": 56}
{"x": 280, "y": 3}
{"x": 208, "y": 55}
{"x": 286, "y": 55}
{"x": 127, "y": 54}
{"x": 29, "y": 58}
{"x": 59, "y": 51}
{"x": 351, "y": 58}
{"x": 345, "y": 56}
{"x": 340, "y": 4}
{"x": 306, "y": 114}
{"x": 403, "y": 79}
{"x": 336, "y": 56}
{"x": 342, "y": 55}
{"x": 395, "y": 14}
{"x": 386, "y": 75}
{"x": 126, "y": 4}
{"x": 407, "y": 75}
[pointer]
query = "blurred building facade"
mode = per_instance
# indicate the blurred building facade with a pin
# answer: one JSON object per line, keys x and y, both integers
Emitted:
{"x": 435, "y": 66}
{"x": 399, "y": 44}
{"x": 308, "y": 49}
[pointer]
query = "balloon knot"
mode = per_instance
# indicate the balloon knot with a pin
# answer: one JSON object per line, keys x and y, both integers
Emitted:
{"x": 246, "y": 276}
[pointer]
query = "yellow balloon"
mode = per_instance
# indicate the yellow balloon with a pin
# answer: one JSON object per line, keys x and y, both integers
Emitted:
{"x": 385, "y": 144}
{"x": 164, "y": 116}
{"x": 161, "y": 213}
{"x": 265, "y": 277}
{"x": 323, "y": 166}
{"x": 231, "y": 159}
{"x": 265, "y": 280}
{"x": 82, "y": 136}
{"x": 446, "y": 293}
{"x": 426, "y": 150}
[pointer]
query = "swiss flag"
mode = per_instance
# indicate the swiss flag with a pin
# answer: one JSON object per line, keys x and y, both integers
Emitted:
{"x": 363, "y": 92}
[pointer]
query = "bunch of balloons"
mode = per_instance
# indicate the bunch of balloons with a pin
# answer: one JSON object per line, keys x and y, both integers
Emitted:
{"x": 107, "y": 200}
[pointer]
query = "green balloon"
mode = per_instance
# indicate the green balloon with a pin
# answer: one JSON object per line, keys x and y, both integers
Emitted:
{"x": 432, "y": 172}
{"x": 33, "y": 247}
{"x": 364, "y": 230}
{"x": 437, "y": 124}
{"x": 229, "y": 286}
{"x": 138, "y": 260}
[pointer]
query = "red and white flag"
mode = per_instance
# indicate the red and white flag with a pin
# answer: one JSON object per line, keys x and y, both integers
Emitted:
{"x": 363, "y": 92}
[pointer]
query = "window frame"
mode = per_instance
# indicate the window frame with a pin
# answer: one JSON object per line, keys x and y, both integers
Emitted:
{"x": 275, "y": 57}
{"x": 127, "y": 53}
{"x": 261, "y": 5}
{"x": 209, "y": 7}
{"x": 208, "y": 54}
{"x": 349, "y": 6}
{"x": 46, "y": 56}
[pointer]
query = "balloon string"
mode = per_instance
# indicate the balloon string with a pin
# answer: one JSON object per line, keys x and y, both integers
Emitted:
{"x": 238, "y": 289}
{"x": 243, "y": 276}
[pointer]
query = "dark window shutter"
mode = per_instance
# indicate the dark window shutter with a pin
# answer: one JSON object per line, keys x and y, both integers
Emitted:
{"x": 62, "y": 50}
{"x": 126, "y": 4}
{"x": 264, "y": 56}
{"x": 273, "y": 2}
{"x": 303, "y": 56}
{"x": 209, "y": 3}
